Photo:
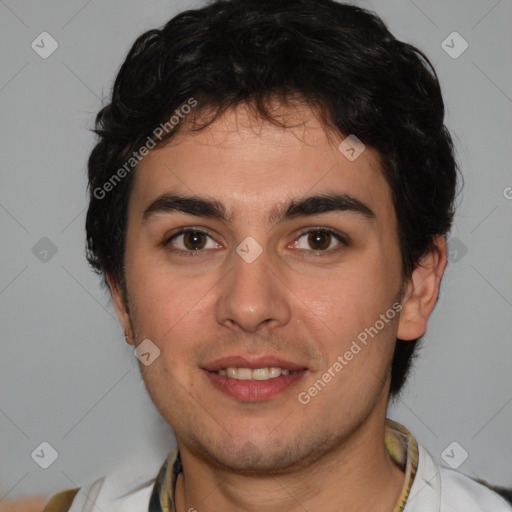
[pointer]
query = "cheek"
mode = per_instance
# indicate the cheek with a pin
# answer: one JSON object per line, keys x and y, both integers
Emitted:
{"x": 159, "y": 302}
{"x": 344, "y": 310}
{"x": 349, "y": 296}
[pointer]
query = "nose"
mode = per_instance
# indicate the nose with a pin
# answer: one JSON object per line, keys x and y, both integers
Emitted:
{"x": 253, "y": 296}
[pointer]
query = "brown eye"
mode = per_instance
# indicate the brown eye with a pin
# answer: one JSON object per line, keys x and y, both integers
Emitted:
{"x": 194, "y": 240}
{"x": 191, "y": 241}
{"x": 319, "y": 240}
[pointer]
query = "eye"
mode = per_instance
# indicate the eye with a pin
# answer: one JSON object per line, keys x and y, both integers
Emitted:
{"x": 191, "y": 240}
{"x": 319, "y": 240}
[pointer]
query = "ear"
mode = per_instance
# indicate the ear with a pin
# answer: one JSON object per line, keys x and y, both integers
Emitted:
{"x": 421, "y": 291}
{"x": 121, "y": 309}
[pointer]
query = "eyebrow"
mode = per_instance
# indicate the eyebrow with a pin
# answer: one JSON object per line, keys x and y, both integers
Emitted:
{"x": 302, "y": 207}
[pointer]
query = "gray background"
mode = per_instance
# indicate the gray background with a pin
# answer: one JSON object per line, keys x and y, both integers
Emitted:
{"x": 66, "y": 375}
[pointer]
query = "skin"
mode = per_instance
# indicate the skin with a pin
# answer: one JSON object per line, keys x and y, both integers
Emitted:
{"x": 294, "y": 302}
{"x": 31, "y": 504}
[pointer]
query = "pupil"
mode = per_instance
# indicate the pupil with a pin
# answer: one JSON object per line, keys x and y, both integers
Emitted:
{"x": 193, "y": 239}
{"x": 319, "y": 240}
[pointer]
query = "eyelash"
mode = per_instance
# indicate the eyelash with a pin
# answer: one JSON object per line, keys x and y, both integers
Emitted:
{"x": 200, "y": 252}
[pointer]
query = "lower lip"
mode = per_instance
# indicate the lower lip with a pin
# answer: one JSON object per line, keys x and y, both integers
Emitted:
{"x": 254, "y": 390}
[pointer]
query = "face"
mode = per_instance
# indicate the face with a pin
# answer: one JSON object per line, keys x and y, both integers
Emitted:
{"x": 251, "y": 246}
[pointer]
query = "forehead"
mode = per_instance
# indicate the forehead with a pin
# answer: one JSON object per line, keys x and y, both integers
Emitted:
{"x": 251, "y": 164}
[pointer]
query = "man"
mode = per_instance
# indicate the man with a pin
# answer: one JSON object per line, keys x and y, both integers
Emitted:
{"x": 269, "y": 200}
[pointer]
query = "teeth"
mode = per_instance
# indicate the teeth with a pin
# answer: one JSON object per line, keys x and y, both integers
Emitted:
{"x": 244, "y": 374}
{"x": 260, "y": 374}
{"x": 274, "y": 372}
{"x": 256, "y": 374}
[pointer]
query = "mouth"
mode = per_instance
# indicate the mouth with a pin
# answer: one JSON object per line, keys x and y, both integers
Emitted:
{"x": 253, "y": 380}
{"x": 259, "y": 374}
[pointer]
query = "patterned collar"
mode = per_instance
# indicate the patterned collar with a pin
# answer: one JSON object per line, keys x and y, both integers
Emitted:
{"x": 401, "y": 446}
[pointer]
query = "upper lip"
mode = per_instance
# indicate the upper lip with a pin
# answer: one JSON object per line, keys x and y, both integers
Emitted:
{"x": 251, "y": 362}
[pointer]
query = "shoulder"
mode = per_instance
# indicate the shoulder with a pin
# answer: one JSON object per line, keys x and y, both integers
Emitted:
{"x": 459, "y": 492}
{"x": 445, "y": 490}
{"x": 112, "y": 493}
{"x": 125, "y": 489}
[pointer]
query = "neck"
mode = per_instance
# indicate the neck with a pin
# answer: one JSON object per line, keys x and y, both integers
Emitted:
{"x": 357, "y": 475}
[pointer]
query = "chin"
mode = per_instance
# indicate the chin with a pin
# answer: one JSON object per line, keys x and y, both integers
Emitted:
{"x": 260, "y": 460}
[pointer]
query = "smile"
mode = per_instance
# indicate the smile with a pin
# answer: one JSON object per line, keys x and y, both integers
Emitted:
{"x": 254, "y": 374}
